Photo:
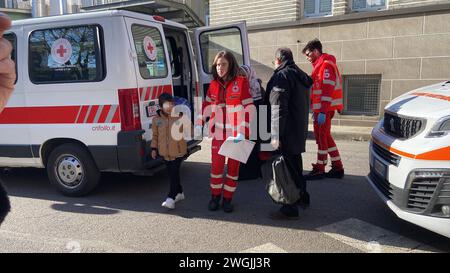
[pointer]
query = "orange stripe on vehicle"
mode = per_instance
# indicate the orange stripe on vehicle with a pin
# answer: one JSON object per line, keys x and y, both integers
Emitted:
{"x": 393, "y": 150}
{"x": 435, "y": 96}
{"x": 439, "y": 154}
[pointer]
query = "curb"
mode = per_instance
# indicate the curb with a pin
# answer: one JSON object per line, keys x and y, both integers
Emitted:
{"x": 346, "y": 135}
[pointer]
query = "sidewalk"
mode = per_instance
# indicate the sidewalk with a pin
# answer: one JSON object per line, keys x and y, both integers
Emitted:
{"x": 348, "y": 133}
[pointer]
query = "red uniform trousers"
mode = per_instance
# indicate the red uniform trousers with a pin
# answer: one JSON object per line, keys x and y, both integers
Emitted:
{"x": 217, "y": 170}
{"x": 326, "y": 144}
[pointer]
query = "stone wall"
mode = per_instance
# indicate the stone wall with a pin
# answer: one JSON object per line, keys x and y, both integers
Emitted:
{"x": 409, "y": 51}
{"x": 253, "y": 11}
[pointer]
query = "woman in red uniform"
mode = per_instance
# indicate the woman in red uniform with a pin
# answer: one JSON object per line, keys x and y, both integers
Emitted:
{"x": 229, "y": 105}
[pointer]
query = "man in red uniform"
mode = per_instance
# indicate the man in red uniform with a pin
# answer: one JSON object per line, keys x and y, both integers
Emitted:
{"x": 228, "y": 104}
{"x": 326, "y": 98}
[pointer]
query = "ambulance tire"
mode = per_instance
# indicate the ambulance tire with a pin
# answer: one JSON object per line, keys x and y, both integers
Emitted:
{"x": 74, "y": 161}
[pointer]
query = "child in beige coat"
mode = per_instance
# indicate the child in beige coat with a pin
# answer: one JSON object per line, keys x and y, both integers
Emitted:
{"x": 169, "y": 142}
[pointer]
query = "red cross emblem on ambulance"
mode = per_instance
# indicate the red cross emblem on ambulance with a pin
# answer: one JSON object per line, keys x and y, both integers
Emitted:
{"x": 150, "y": 48}
{"x": 61, "y": 51}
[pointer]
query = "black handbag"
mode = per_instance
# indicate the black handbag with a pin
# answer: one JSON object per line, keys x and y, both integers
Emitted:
{"x": 280, "y": 184}
{"x": 252, "y": 169}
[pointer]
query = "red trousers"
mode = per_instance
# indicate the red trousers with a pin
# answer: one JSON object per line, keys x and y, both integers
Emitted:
{"x": 217, "y": 170}
{"x": 326, "y": 144}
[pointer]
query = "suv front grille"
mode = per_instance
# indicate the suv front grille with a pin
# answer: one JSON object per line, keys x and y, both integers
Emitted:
{"x": 386, "y": 155}
{"x": 421, "y": 192}
{"x": 402, "y": 127}
{"x": 382, "y": 184}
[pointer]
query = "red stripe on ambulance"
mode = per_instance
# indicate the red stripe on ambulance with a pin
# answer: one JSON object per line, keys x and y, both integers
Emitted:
{"x": 92, "y": 114}
{"x": 57, "y": 114}
{"x": 82, "y": 115}
{"x": 104, "y": 114}
{"x": 153, "y": 92}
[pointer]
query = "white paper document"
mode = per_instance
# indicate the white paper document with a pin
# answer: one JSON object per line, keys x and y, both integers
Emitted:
{"x": 238, "y": 151}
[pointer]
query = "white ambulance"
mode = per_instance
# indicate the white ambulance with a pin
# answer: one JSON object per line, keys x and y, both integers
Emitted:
{"x": 87, "y": 90}
{"x": 410, "y": 157}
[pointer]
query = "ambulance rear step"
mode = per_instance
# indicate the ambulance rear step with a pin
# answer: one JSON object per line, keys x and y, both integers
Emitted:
{"x": 151, "y": 168}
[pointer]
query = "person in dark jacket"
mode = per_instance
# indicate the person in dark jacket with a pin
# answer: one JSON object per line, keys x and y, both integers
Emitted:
{"x": 288, "y": 93}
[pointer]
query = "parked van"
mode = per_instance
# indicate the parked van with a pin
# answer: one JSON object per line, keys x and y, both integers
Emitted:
{"x": 410, "y": 157}
{"x": 87, "y": 90}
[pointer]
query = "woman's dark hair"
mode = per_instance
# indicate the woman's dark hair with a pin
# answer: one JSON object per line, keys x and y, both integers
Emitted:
{"x": 311, "y": 45}
{"x": 164, "y": 97}
{"x": 233, "y": 67}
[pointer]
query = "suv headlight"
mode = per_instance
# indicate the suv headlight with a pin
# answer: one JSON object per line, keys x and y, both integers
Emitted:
{"x": 441, "y": 128}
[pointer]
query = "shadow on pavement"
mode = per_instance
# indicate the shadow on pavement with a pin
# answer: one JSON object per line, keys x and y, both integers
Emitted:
{"x": 331, "y": 200}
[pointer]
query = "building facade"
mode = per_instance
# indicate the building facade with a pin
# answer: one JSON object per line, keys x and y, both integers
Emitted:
{"x": 16, "y": 9}
{"x": 384, "y": 48}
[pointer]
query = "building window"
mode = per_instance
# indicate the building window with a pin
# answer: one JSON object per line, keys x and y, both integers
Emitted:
{"x": 368, "y": 4}
{"x": 150, "y": 52}
{"x": 361, "y": 94}
{"x": 315, "y": 8}
{"x": 68, "y": 54}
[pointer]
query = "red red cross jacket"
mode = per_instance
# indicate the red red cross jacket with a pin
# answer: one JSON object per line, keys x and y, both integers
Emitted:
{"x": 228, "y": 106}
{"x": 326, "y": 93}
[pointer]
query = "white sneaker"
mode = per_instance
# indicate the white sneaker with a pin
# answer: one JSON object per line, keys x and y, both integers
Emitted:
{"x": 169, "y": 203}
{"x": 180, "y": 197}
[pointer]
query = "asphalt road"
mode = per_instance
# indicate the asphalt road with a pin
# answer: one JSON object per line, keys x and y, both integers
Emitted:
{"x": 125, "y": 215}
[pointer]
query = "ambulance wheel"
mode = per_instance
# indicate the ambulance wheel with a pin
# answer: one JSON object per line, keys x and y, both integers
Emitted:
{"x": 72, "y": 170}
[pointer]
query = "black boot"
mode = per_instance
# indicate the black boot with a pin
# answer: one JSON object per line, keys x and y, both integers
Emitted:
{"x": 335, "y": 173}
{"x": 214, "y": 204}
{"x": 286, "y": 212}
{"x": 227, "y": 206}
{"x": 315, "y": 174}
{"x": 304, "y": 200}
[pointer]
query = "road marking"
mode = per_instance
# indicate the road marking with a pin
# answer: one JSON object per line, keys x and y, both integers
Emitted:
{"x": 266, "y": 248}
{"x": 372, "y": 239}
{"x": 68, "y": 245}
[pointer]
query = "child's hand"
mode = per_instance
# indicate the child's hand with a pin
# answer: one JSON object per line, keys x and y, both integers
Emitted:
{"x": 154, "y": 154}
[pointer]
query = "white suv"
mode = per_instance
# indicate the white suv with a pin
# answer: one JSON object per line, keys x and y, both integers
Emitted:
{"x": 410, "y": 157}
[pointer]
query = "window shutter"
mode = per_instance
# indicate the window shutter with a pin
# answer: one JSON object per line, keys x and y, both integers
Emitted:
{"x": 310, "y": 6}
{"x": 325, "y": 6}
{"x": 359, "y": 4}
{"x": 377, "y": 3}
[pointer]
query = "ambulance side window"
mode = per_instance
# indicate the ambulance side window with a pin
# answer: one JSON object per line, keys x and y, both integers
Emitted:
{"x": 150, "y": 52}
{"x": 211, "y": 42}
{"x": 12, "y": 38}
{"x": 66, "y": 54}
